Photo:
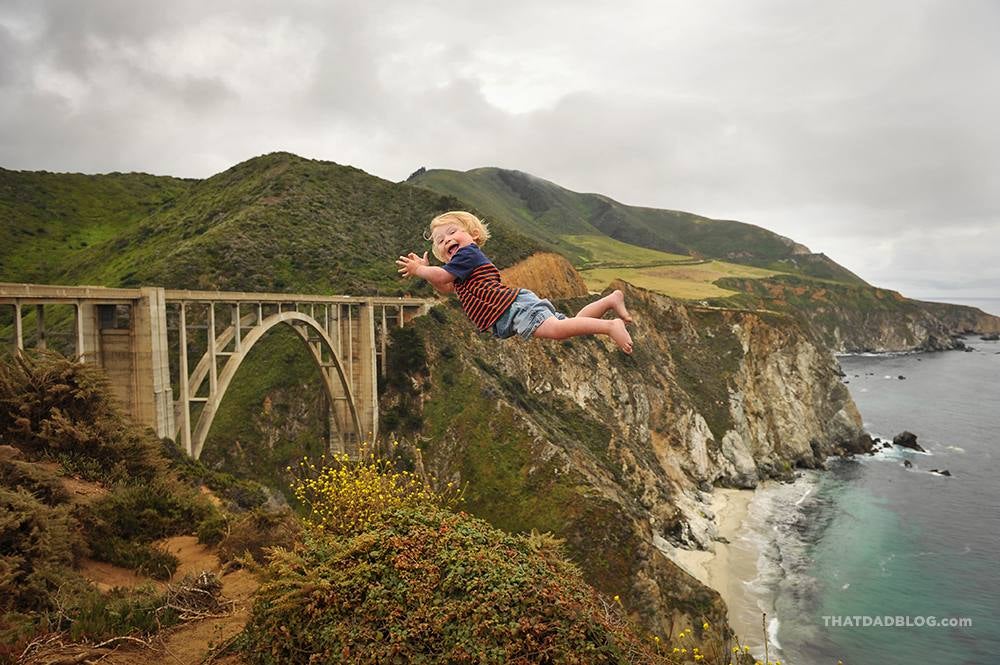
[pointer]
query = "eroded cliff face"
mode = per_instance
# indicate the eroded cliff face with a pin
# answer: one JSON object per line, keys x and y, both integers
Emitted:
{"x": 861, "y": 318}
{"x": 616, "y": 453}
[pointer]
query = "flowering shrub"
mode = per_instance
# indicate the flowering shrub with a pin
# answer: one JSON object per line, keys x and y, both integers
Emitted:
{"x": 343, "y": 495}
{"x": 387, "y": 573}
{"x": 424, "y": 585}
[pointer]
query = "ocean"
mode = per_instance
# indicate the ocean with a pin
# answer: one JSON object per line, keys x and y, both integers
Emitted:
{"x": 871, "y": 562}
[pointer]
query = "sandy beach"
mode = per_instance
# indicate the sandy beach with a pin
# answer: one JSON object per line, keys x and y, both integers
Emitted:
{"x": 731, "y": 565}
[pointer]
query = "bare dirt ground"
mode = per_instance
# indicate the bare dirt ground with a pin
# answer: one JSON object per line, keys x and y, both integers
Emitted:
{"x": 195, "y": 641}
{"x": 191, "y": 642}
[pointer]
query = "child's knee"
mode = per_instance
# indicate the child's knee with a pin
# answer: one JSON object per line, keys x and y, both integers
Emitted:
{"x": 548, "y": 329}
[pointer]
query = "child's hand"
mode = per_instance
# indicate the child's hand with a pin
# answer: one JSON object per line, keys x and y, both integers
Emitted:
{"x": 408, "y": 265}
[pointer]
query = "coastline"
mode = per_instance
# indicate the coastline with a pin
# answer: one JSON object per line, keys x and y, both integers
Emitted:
{"x": 731, "y": 566}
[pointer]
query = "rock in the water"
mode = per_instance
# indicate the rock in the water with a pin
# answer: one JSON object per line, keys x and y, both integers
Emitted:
{"x": 991, "y": 337}
{"x": 886, "y": 444}
{"x": 941, "y": 472}
{"x": 901, "y": 377}
{"x": 907, "y": 463}
{"x": 860, "y": 445}
{"x": 907, "y": 440}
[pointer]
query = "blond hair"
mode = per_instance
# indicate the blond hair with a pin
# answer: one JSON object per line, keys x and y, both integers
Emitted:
{"x": 476, "y": 227}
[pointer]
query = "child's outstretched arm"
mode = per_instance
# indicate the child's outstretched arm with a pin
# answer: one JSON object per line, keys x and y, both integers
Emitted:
{"x": 416, "y": 266}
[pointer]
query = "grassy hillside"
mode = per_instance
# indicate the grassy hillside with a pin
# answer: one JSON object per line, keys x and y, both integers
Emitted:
{"x": 277, "y": 222}
{"x": 50, "y": 217}
{"x": 554, "y": 215}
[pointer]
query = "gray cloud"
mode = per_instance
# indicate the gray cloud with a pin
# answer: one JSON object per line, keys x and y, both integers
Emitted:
{"x": 863, "y": 130}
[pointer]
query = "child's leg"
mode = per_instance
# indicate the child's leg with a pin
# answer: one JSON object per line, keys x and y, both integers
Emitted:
{"x": 615, "y": 301}
{"x": 553, "y": 328}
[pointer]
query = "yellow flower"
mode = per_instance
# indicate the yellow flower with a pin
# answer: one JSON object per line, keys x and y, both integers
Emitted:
{"x": 704, "y": 626}
{"x": 617, "y": 599}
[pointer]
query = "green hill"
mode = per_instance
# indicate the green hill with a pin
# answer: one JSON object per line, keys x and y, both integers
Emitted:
{"x": 276, "y": 223}
{"x": 554, "y": 215}
{"x": 50, "y": 217}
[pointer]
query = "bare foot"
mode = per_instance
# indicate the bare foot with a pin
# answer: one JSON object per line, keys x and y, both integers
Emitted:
{"x": 620, "y": 335}
{"x": 618, "y": 304}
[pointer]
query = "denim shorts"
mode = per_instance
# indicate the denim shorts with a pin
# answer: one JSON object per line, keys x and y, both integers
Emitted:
{"x": 524, "y": 315}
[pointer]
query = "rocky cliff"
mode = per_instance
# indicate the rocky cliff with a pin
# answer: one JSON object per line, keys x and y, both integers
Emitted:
{"x": 617, "y": 454}
{"x": 860, "y": 318}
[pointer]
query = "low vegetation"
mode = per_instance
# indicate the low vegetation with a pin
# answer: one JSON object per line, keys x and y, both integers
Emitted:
{"x": 59, "y": 424}
{"x": 386, "y": 573}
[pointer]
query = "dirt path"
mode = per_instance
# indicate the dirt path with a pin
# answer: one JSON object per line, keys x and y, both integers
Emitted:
{"x": 191, "y": 642}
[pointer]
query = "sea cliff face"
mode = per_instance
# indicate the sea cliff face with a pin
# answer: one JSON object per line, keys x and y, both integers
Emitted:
{"x": 617, "y": 453}
{"x": 851, "y": 318}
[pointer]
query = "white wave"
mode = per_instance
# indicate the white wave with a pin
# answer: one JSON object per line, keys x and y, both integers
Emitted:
{"x": 957, "y": 449}
{"x": 772, "y": 632}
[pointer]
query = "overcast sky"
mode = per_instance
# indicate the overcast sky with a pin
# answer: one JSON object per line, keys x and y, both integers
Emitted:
{"x": 865, "y": 129}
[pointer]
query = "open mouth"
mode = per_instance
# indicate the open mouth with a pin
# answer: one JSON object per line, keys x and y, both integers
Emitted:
{"x": 450, "y": 250}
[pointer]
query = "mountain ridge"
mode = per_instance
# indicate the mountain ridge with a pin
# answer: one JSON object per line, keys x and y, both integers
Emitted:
{"x": 556, "y": 211}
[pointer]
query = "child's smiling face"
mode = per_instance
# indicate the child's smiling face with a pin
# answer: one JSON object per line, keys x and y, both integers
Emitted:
{"x": 448, "y": 239}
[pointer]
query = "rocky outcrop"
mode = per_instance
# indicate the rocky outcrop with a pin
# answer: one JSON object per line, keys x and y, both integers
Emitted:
{"x": 614, "y": 452}
{"x": 907, "y": 440}
{"x": 549, "y": 275}
{"x": 850, "y": 318}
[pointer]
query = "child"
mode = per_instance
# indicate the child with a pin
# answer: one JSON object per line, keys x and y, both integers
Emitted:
{"x": 492, "y": 305}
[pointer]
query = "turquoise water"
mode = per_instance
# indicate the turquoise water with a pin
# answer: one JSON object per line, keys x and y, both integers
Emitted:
{"x": 871, "y": 540}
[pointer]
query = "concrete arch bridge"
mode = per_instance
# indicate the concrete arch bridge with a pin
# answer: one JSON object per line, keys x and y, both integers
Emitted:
{"x": 171, "y": 355}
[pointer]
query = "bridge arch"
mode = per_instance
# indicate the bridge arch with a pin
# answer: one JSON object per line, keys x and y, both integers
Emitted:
{"x": 334, "y": 377}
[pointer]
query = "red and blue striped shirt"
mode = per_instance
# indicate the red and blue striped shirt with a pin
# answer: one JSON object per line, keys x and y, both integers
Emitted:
{"x": 483, "y": 295}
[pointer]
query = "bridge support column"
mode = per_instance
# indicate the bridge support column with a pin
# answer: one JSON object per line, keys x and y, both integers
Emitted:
{"x": 153, "y": 403}
{"x": 366, "y": 392}
{"x": 87, "y": 336}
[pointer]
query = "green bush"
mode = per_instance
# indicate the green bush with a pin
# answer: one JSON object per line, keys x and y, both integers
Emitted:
{"x": 241, "y": 494}
{"x": 96, "y": 616}
{"x": 142, "y": 557}
{"x": 54, "y": 407}
{"x": 254, "y": 533}
{"x": 213, "y": 529}
{"x": 424, "y": 585}
{"x": 161, "y": 508}
{"x": 122, "y": 525}
{"x": 36, "y": 480}
{"x": 39, "y": 545}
